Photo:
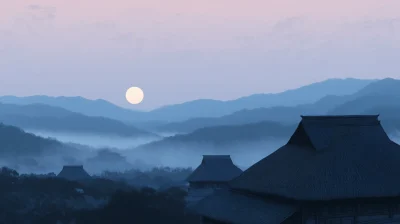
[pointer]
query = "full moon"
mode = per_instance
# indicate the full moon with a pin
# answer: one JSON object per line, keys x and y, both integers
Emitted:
{"x": 134, "y": 95}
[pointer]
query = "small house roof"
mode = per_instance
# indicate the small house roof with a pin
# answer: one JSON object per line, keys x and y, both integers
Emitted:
{"x": 328, "y": 158}
{"x": 233, "y": 207}
{"x": 73, "y": 172}
{"x": 215, "y": 168}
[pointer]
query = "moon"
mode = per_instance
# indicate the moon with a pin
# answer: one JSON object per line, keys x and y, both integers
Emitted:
{"x": 134, "y": 95}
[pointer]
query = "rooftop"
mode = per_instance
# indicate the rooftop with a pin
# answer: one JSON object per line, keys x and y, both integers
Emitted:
{"x": 328, "y": 158}
{"x": 73, "y": 172}
{"x": 215, "y": 168}
{"x": 233, "y": 207}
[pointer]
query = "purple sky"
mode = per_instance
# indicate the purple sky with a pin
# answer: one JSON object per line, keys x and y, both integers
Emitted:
{"x": 180, "y": 50}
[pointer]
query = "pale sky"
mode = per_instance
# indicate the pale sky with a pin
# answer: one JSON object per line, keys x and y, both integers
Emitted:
{"x": 181, "y": 50}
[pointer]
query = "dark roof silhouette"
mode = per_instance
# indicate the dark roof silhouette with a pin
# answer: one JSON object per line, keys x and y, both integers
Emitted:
{"x": 215, "y": 168}
{"x": 74, "y": 173}
{"x": 327, "y": 158}
{"x": 233, "y": 207}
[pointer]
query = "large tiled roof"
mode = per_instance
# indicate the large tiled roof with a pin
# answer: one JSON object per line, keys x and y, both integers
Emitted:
{"x": 329, "y": 157}
{"x": 215, "y": 168}
{"x": 235, "y": 208}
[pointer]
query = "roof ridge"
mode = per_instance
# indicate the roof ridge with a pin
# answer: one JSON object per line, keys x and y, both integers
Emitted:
{"x": 323, "y": 117}
{"x": 220, "y": 168}
{"x": 353, "y": 124}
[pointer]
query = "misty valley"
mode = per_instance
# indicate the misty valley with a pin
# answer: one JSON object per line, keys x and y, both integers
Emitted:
{"x": 135, "y": 164}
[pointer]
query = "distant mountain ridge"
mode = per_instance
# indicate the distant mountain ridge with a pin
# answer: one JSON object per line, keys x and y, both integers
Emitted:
{"x": 50, "y": 118}
{"x": 304, "y": 95}
{"x": 381, "y": 93}
{"x": 98, "y": 108}
{"x": 232, "y": 135}
{"x": 229, "y": 134}
{"x": 198, "y": 108}
{"x": 283, "y": 115}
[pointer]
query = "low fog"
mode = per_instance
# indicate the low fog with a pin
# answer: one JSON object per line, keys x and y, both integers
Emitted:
{"x": 190, "y": 154}
{"x": 105, "y": 153}
{"x": 94, "y": 140}
{"x": 395, "y": 137}
{"x": 122, "y": 155}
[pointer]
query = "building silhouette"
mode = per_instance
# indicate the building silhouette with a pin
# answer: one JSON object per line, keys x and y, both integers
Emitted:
{"x": 214, "y": 172}
{"x": 334, "y": 169}
{"x": 74, "y": 173}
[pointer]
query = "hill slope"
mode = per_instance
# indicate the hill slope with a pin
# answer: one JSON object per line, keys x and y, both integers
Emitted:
{"x": 80, "y": 105}
{"x": 283, "y": 115}
{"x": 14, "y": 142}
{"x": 231, "y": 134}
{"x": 44, "y": 117}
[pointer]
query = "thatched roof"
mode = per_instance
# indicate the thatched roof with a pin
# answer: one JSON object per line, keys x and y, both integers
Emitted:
{"x": 215, "y": 168}
{"x": 233, "y": 207}
{"x": 74, "y": 173}
{"x": 329, "y": 157}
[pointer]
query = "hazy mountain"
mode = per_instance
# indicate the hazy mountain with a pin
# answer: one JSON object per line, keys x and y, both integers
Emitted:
{"x": 283, "y": 115}
{"x": 30, "y": 153}
{"x": 387, "y": 106}
{"x": 14, "y": 142}
{"x": 79, "y": 105}
{"x": 44, "y": 117}
{"x": 377, "y": 94}
{"x": 369, "y": 103}
{"x": 388, "y": 86}
{"x": 33, "y": 110}
{"x": 389, "y": 112}
{"x": 378, "y": 90}
{"x": 304, "y": 95}
{"x": 106, "y": 158}
{"x": 245, "y": 143}
{"x": 382, "y": 93}
{"x": 231, "y": 134}
{"x": 198, "y": 108}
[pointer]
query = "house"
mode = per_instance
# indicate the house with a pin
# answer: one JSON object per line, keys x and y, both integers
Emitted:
{"x": 214, "y": 172}
{"x": 334, "y": 169}
{"x": 74, "y": 173}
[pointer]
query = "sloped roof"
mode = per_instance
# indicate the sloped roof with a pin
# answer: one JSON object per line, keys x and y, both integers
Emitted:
{"x": 73, "y": 173}
{"x": 329, "y": 157}
{"x": 215, "y": 168}
{"x": 235, "y": 208}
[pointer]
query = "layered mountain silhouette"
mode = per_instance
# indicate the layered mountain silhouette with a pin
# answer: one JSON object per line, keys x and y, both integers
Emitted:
{"x": 14, "y": 142}
{"x": 198, "y": 108}
{"x": 230, "y": 134}
{"x": 303, "y": 95}
{"x": 378, "y": 97}
{"x": 78, "y": 104}
{"x": 245, "y": 125}
{"x": 50, "y": 118}
{"x": 224, "y": 137}
{"x": 259, "y": 125}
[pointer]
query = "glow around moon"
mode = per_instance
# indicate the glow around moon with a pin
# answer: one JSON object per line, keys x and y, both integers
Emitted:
{"x": 134, "y": 95}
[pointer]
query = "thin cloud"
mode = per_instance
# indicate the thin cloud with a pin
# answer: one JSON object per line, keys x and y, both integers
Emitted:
{"x": 124, "y": 37}
{"x": 39, "y": 12}
{"x": 34, "y": 7}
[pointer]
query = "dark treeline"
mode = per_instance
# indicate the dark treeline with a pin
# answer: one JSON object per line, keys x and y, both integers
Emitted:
{"x": 145, "y": 206}
{"x": 47, "y": 199}
{"x": 161, "y": 177}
